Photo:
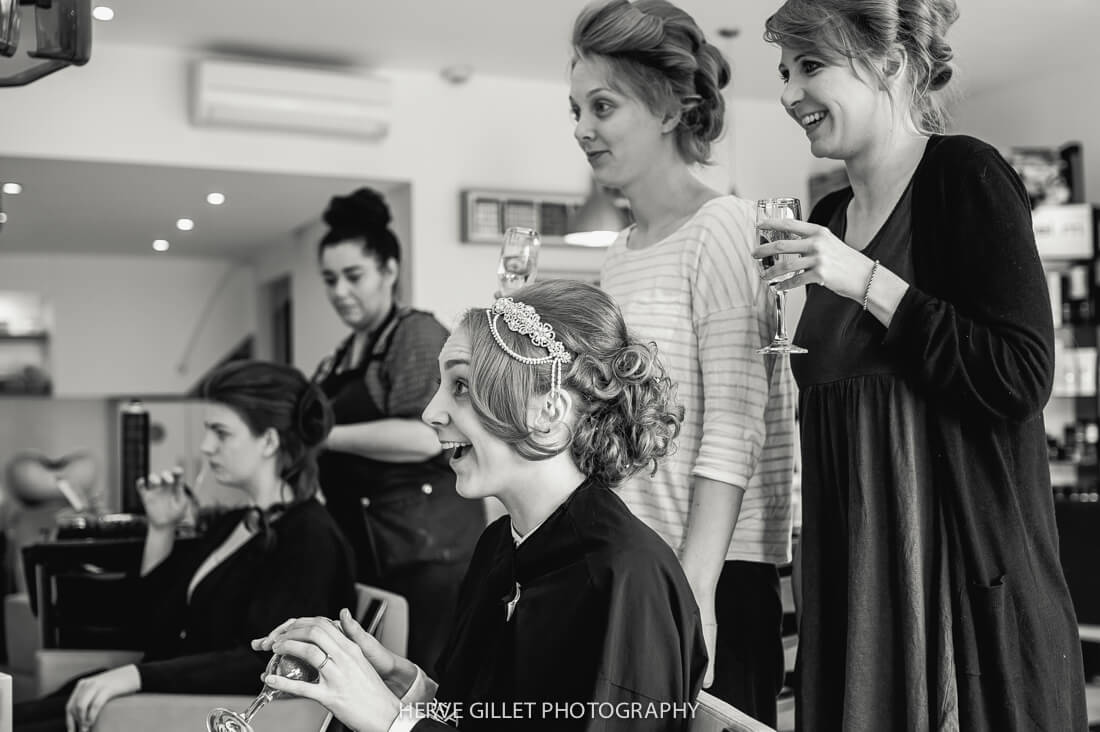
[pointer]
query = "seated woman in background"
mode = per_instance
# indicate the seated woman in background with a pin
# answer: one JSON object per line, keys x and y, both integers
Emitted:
{"x": 545, "y": 402}
{"x": 281, "y": 555}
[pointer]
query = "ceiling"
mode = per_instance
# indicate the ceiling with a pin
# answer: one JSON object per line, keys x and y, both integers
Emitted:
{"x": 997, "y": 42}
{"x": 115, "y": 205}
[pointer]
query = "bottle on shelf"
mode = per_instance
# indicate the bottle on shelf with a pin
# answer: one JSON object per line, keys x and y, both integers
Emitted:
{"x": 1077, "y": 304}
{"x": 1054, "y": 287}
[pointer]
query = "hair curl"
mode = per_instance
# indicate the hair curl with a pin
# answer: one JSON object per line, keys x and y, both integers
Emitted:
{"x": 661, "y": 55}
{"x": 273, "y": 396}
{"x": 361, "y": 216}
{"x": 625, "y": 417}
{"x": 868, "y": 30}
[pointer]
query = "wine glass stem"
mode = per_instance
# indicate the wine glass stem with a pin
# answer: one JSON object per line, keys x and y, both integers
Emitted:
{"x": 780, "y": 323}
{"x": 257, "y": 704}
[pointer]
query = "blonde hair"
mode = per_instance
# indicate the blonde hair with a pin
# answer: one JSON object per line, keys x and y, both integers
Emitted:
{"x": 861, "y": 30}
{"x": 625, "y": 418}
{"x": 660, "y": 54}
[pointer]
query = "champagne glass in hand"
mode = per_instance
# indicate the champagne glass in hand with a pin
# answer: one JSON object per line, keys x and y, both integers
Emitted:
{"x": 778, "y": 208}
{"x": 291, "y": 667}
{"x": 519, "y": 258}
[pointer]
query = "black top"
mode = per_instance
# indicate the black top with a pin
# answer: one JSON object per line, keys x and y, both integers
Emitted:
{"x": 604, "y": 614}
{"x": 201, "y": 646}
{"x": 971, "y": 344}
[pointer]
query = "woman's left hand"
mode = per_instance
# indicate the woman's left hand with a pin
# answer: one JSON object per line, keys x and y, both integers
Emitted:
{"x": 822, "y": 259}
{"x": 348, "y": 686}
{"x": 92, "y": 693}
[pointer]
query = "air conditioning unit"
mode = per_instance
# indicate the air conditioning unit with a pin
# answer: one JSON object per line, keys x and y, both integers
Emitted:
{"x": 231, "y": 93}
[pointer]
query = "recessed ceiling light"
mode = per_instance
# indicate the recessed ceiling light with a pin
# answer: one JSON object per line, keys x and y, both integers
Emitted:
{"x": 160, "y": 245}
{"x": 12, "y": 189}
{"x": 3, "y": 218}
{"x": 102, "y": 12}
{"x": 215, "y": 199}
{"x": 185, "y": 224}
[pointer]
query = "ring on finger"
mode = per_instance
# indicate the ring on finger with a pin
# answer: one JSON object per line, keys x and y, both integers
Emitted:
{"x": 322, "y": 664}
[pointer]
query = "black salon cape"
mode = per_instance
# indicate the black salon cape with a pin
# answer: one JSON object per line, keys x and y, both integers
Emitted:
{"x": 604, "y": 614}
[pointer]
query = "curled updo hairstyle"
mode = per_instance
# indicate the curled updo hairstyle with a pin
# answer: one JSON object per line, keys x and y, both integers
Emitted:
{"x": 273, "y": 396}
{"x": 624, "y": 416}
{"x": 868, "y": 31}
{"x": 363, "y": 217}
{"x": 659, "y": 53}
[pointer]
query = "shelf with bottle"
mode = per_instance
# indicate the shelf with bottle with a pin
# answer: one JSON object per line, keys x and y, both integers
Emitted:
{"x": 1066, "y": 238}
{"x": 1072, "y": 287}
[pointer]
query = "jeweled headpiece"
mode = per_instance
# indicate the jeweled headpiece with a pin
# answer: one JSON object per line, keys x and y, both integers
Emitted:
{"x": 522, "y": 318}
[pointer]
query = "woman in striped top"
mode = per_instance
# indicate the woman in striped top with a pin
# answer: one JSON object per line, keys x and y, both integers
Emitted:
{"x": 645, "y": 93}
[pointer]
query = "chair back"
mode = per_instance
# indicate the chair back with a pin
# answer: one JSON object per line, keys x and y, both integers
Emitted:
{"x": 5, "y": 703}
{"x": 715, "y": 715}
{"x": 392, "y": 629}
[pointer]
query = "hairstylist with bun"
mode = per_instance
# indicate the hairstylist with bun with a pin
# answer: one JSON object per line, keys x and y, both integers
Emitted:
{"x": 384, "y": 478}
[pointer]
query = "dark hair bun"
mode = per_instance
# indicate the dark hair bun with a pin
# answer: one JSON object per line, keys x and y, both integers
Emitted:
{"x": 313, "y": 416}
{"x": 364, "y": 210}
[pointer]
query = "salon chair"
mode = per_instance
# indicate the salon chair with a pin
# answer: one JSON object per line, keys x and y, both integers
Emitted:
{"x": 715, "y": 715}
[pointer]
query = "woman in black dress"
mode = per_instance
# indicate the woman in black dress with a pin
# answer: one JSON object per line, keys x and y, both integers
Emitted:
{"x": 574, "y": 614}
{"x": 385, "y": 481}
{"x": 932, "y": 593}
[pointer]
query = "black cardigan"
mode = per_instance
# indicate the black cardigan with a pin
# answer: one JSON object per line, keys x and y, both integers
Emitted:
{"x": 202, "y": 646}
{"x": 974, "y": 334}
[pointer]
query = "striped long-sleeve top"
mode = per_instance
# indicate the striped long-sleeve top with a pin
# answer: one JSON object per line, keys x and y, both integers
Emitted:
{"x": 698, "y": 295}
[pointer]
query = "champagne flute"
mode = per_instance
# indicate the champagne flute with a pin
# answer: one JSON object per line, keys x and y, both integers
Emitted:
{"x": 778, "y": 208}
{"x": 519, "y": 258}
{"x": 281, "y": 664}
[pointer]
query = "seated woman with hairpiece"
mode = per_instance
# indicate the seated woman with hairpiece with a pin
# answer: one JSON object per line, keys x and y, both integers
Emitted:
{"x": 574, "y": 615}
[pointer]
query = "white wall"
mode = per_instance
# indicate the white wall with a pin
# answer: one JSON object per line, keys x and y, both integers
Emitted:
{"x": 136, "y": 325}
{"x": 1047, "y": 110}
{"x": 497, "y": 132}
{"x": 770, "y": 154}
{"x": 504, "y": 133}
{"x": 131, "y": 103}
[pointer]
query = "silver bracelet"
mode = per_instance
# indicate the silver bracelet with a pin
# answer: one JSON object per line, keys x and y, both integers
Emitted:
{"x": 867, "y": 290}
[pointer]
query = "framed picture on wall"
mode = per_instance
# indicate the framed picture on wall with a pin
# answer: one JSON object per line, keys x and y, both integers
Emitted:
{"x": 487, "y": 214}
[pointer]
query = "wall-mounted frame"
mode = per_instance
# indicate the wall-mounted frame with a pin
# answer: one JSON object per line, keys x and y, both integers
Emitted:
{"x": 486, "y": 214}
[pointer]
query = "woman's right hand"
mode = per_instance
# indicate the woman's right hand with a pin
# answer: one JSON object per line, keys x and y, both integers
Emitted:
{"x": 350, "y": 685}
{"x": 397, "y": 673}
{"x": 165, "y": 497}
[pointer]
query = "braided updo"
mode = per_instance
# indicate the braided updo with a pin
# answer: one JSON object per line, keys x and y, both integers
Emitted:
{"x": 625, "y": 418}
{"x": 868, "y": 30}
{"x": 659, "y": 52}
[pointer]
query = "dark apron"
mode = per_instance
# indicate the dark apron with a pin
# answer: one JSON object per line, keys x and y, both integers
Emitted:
{"x": 394, "y": 515}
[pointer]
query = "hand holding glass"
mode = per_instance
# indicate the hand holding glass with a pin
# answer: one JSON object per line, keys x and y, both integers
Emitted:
{"x": 519, "y": 259}
{"x": 778, "y": 208}
{"x": 290, "y": 667}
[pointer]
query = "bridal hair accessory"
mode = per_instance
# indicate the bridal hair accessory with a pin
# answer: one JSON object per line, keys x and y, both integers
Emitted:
{"x": 522, "y": 318}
